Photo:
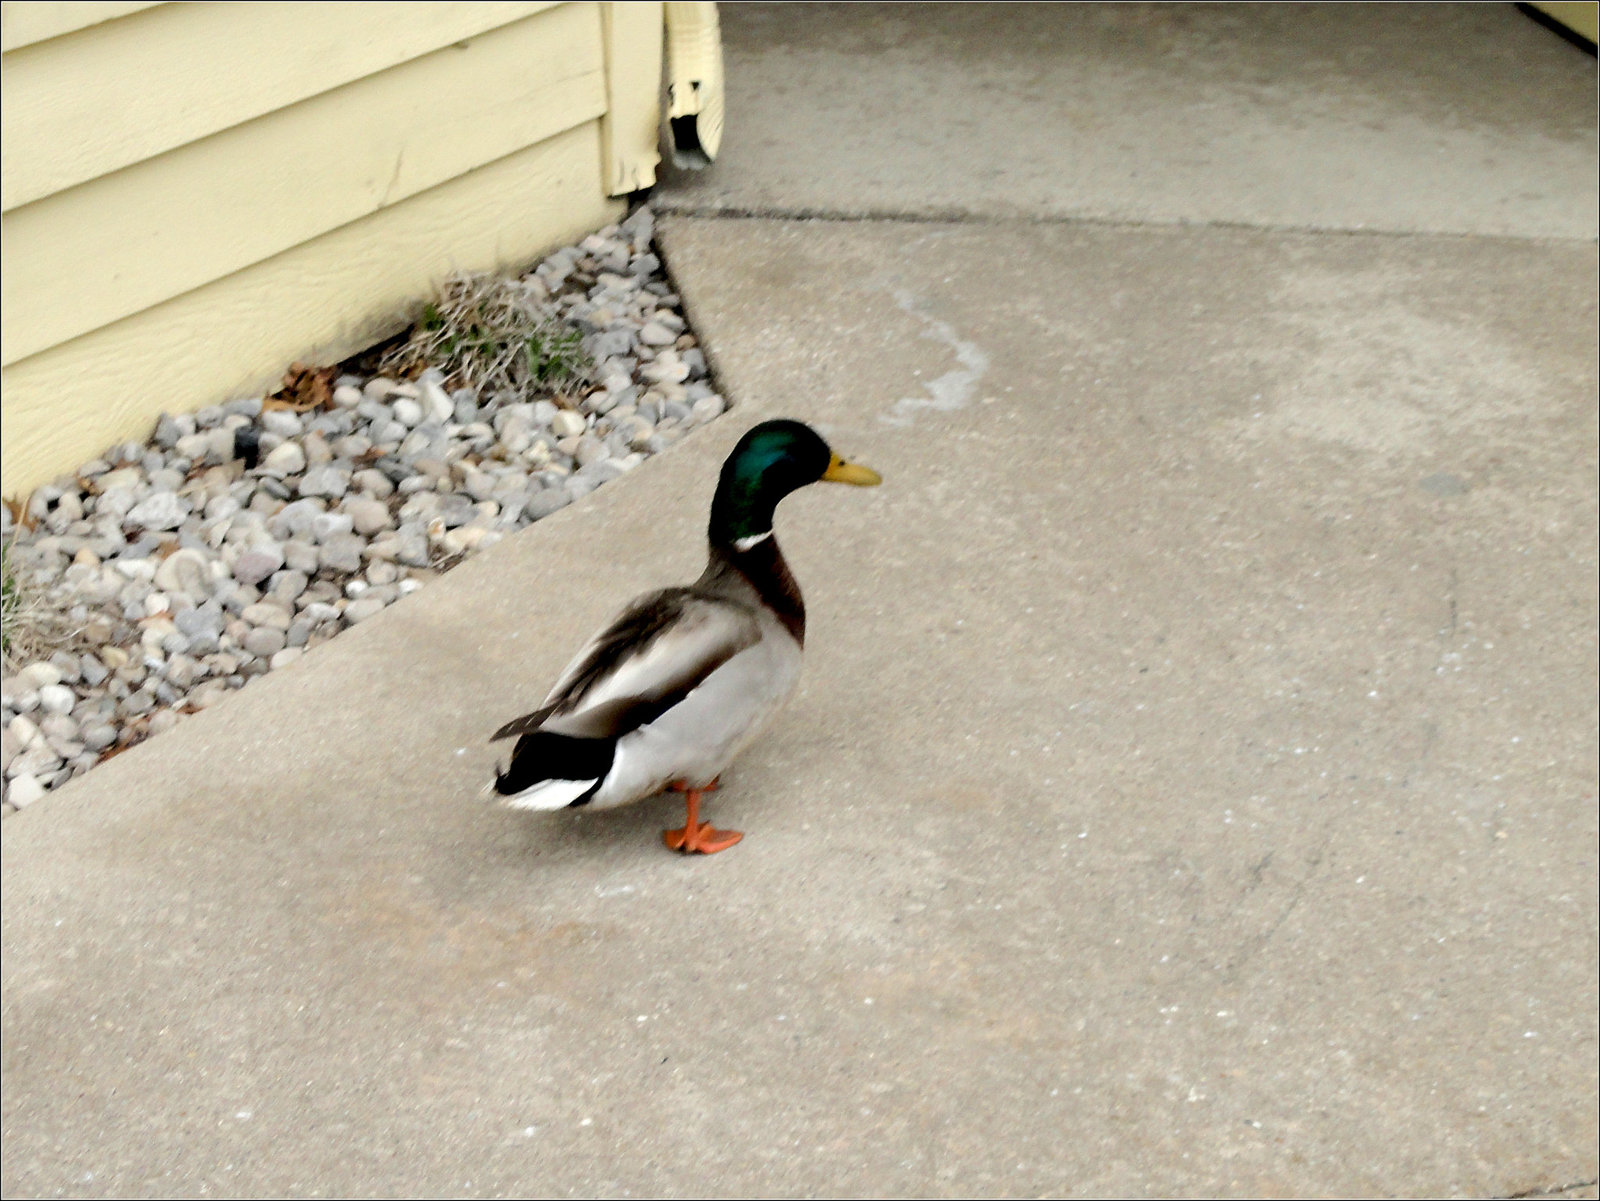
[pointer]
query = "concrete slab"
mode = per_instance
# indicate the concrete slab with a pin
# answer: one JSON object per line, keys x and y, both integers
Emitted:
{"x": 1436, "y": 118}
{"x": 1192, "y": 789}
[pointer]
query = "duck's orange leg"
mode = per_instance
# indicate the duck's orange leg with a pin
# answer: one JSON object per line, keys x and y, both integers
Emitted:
{"x": 695, "y": 836}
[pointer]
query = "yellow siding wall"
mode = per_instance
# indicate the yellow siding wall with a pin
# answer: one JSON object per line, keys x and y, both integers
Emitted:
{"x": 196, "y": 194}
{"x": 1581, "y": 18}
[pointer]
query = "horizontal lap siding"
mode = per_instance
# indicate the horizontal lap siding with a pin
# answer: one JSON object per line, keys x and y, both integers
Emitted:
{"x": 23, "y": 24}
{"x": 321, "y": 301}
{"x": 121, "y": 243}
{"x": 84, "y": 105}
{"x": 285, "y": 180}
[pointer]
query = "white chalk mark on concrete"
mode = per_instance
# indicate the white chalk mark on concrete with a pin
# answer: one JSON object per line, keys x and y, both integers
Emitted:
{"x": 951, "y": 391}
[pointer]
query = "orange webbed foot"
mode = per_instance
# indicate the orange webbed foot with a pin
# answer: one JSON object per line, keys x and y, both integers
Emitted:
{"x": 704, "y": 841}
{"x": 695, "y": 836}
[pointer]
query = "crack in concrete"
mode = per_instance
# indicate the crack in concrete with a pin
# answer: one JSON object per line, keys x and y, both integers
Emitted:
{"x": 665, "y": 206}
{"x": 1253, "y": 947}
{"x": 1553, "y": 1191}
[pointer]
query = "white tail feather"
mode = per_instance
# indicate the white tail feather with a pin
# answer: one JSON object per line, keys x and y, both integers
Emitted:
{"x": 548, "y": 794}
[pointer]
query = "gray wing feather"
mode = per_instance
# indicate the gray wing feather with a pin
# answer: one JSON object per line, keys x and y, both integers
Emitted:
{"x": 657, "y": 651}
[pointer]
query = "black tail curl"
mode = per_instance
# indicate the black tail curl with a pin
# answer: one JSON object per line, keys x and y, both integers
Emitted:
{"x": 542, "y": 756}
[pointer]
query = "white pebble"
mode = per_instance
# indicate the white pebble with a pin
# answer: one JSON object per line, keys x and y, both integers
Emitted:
{"x": 37, "y": 675}
{"x": 24, "y": 790}
{"x": 567, "y": 424}
{"x": 24, "y": 731}
{"x": 288, "y": 459}
{"x": 286, "y": 656}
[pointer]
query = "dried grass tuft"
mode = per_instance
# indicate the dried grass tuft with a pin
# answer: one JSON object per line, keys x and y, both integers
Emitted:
{"x": 31, "y": 628}
{"x": 496, "y": 335}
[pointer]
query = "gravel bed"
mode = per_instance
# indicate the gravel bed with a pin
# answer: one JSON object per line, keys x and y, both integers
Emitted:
{"x": 242, "y": 536}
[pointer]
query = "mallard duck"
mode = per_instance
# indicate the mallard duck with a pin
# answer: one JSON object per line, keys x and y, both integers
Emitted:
{"x": 668, "y": 693}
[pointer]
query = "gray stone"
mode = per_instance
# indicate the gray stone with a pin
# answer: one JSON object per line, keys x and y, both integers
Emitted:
{"x": 590, "y": 450}
{"x": 164, "y": 479}
{"x": 296, "y": 518}
{"x": 139, "y": 702}
{"x": 37, "y": 759}
{"x": 205, "y": 619}
{"x": 359, "y": 610}
{"x": 301, "y": 556}
{"x": 707, "y": 408}
{"x": 654, "y": 333}
{"x": 386, "y": 431}
{"x": 317, "y": 450}
{"x": 602, "y": 471}
{"x": 373, "y": 482}
{"x": 257, "y": 563}
{"x": 382, "y": 573}
{"x": 58, "y": 726}
{"x": 286, "y": 585}
{"x": 455, "y": 509}
{"x": 412, "y": 546}
{"x": 264, "y": 613}
{"x": 187, "y": 571}
{"x": 162, "y": 510}
{"x": 98, "y": 736}
{"x": 167, "y": 432}
{"x": 263, "y": 641}
{"x": 182, "y": 671}
{"x": 342, "y": 552}
{"x": 609, "y": 343}
{"x": 319, "y": 613}
{"x": 163, "y": 721}
{"x": 546, "y": 501}
{"x": 223, "y": 445}
{"x": 367, "y": 516}
{"x": 116, "y": 501}
{"x": 478, "y": 484}
{"x": 330, "y": 525}
{"x": 325, "y": 480}
{"x": 194, "y": 447}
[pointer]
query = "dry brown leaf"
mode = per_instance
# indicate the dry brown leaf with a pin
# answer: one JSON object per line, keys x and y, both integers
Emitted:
{"x": 304, "y": 388}
{"x": 20, "y": 517}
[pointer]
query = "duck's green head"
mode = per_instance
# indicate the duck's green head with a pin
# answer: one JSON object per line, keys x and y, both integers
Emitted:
{"x": 771, "y": 461}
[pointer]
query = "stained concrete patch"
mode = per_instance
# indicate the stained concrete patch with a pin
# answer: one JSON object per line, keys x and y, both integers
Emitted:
{"x": 947, "y": 392}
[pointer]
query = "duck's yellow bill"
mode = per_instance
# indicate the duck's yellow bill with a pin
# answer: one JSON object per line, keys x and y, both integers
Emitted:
{"x": 840, "y": 472}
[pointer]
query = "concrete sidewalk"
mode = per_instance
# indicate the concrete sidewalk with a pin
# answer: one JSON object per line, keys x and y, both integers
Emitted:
{"x": 1192, "y": 789}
